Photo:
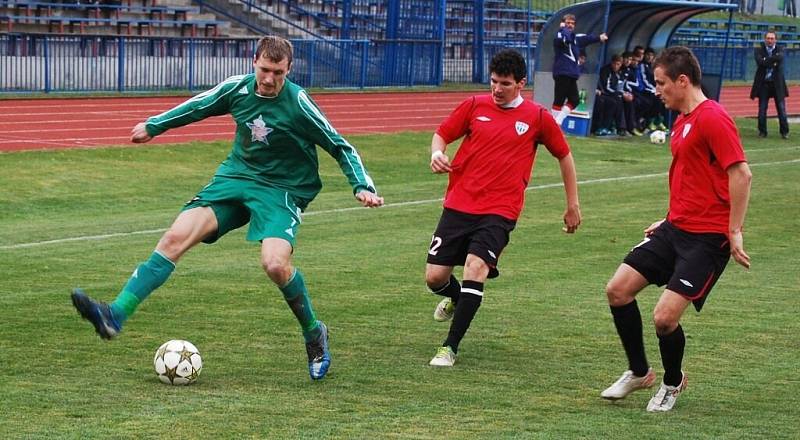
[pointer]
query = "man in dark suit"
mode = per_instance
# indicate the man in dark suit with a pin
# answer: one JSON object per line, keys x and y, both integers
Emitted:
{"x": 770, "y": 83}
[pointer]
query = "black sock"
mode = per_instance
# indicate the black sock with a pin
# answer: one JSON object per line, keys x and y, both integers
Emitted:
{"x": 470, "y": 300}
{"x": 628, "y": 321}
{"x": 451, "y": 290}
{"x": 671, "y": 347}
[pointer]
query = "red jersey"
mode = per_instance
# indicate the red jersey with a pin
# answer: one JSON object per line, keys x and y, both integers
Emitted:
{"x": 491, "y": 169}
{"x": 704, "y": 144}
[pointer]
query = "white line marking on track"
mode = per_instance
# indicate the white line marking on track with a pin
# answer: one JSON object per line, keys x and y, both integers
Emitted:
{"x": 355, "y": 208}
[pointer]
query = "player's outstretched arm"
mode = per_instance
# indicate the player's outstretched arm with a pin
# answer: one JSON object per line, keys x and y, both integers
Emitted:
{"x": 739, "y": 178}
{"x": 369, "y": 199}
{"x": 572, "y": 215}
{"x": 139, "y": 134}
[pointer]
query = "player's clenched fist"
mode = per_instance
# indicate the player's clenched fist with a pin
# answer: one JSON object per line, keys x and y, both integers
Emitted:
{"x": 139, "y": 134}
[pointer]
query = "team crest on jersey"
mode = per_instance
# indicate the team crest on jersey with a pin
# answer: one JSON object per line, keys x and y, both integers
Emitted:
{"x": 521, "y": 127}
{"x": 259, "y": 130}
{"x": 686, "y": 129}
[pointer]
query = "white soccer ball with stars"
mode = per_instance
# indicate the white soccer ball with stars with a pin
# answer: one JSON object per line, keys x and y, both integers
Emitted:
{"x": 177, "y": 362}
{"x": 658, "y": 137}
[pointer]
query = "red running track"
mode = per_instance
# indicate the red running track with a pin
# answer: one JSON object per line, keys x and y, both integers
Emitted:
{"x": 32, "y": 124}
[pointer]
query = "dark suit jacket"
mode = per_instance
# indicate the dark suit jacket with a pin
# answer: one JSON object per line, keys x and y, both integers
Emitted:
{"x": 763, "y": 62}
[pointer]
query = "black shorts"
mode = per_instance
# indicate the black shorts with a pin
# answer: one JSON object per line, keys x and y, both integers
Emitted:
{"x": 566, "y": 87}
{"x": 459, "y": 234}
{"x": 688, "y": 263}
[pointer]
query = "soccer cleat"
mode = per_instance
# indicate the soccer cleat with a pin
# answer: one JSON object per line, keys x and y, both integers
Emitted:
{"x": 445, "y": 357}
{"x": 319, "y": 357}
{"x": 627, "y": 384}
{"x": 666, "y": 396}
{"x": 637, "y": 132}
{"x": 622, "y": 133}
{"x": 661, "y": 126}
{"x": 444, "y": 310}
{"x": 96, "y": 312}
{"x": 602, "y": 132}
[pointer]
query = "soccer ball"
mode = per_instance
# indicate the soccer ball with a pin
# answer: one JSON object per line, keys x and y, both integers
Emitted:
{"x": 658, "y": 137}
{"x": 177, "y": 362}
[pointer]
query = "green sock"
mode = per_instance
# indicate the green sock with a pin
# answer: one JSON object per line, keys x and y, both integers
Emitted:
{"x": 146, "y": 278}
{"x": 296, "y": 295}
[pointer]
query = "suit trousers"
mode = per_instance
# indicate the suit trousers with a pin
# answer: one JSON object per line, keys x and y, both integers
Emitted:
{"x": 766, "y": 92}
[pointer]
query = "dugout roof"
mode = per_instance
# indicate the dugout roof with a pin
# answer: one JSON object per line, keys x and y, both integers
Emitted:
{"x": 628, "y": 23}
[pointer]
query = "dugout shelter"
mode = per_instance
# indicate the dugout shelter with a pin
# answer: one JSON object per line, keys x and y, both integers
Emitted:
{"x": 628, "y": 23}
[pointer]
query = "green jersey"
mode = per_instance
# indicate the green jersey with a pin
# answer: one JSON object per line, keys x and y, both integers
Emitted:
{"x": 276, "y": 137}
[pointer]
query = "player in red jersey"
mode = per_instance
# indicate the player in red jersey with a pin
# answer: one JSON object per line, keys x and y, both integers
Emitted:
{"x": 709, "y": 186}
{"x": 486, "y": 190}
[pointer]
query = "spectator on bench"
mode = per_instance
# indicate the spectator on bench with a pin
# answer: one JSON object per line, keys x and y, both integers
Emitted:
{"x": 630, "y": 103}
{"x": 609, "y": 113}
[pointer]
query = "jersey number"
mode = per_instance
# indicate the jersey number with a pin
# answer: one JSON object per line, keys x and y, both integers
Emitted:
{"x": 435, "y": 243}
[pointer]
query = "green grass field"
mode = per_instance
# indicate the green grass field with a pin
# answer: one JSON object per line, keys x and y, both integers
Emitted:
{"x": 539, "y": 352}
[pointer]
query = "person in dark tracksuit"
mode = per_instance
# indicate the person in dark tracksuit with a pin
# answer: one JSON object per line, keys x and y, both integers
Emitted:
{"x": 568, "y": 47}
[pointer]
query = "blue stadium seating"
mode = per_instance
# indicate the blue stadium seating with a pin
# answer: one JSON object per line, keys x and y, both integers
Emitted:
{"x": 102, "y": 18}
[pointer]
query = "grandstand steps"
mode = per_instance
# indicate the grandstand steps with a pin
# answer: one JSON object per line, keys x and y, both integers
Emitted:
{"x": 178, "y": 18}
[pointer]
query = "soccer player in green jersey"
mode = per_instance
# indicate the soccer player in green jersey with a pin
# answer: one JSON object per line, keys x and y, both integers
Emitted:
{"x": 268, "y": 179}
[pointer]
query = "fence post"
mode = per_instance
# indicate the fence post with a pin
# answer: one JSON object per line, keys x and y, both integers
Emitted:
{"x": 121, "y": 64}
{"x": 47, "y": 64}
{"x": 411, "y": 65}
{"x": 442, "y": 40}
{"x": 191, "y": 64}
{"x": 528, "y": 36}
{"x": 477, "y": 42}
{"x": 364, "y": 50}
{"x": 725, "y": 51}
{"x": 390, "y": 50}
{"x": 347, "y": 11}
{"x": 312, "y": 63}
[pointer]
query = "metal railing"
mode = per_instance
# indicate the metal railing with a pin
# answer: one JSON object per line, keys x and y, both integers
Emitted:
{"x": 93, "y": 63}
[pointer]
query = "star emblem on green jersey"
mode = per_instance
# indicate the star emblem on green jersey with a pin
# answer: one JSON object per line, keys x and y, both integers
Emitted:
{"x": 259, "y": 130}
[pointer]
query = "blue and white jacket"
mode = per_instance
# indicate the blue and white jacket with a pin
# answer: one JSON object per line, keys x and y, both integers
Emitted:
{"x": 568, "y": 46}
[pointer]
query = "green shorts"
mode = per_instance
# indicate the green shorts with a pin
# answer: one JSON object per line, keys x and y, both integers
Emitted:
{"x": 272, "y": 212}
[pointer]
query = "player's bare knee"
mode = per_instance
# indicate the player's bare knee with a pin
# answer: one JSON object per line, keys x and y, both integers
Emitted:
{"x": 617, "y": 295}
{"x": 437, "y": 276}
{"x": 172, "y": 244}
{"x": 665, "y": 323}
{"x": 277, "y": 270}
{"x": 436, "y": 279}
{"x": 475, "y": 269}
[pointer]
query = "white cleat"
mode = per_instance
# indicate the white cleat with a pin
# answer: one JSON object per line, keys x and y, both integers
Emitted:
{"x": 627, "y": 384}
{"x": 445, "y": 357}
{"x": 444, "y": 310}
{"x": 666, "y": 396}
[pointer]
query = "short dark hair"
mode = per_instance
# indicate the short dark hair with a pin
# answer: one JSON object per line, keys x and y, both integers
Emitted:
{"x": 677, "y": 61}
{"x": 274, "y": 48}
{"x": 509, "y": 62}
{"x": 650, "y": 50}
{"x": 616, "y": 57}
{"x": 627, "y": 54}
{"x": 568, "y": 17}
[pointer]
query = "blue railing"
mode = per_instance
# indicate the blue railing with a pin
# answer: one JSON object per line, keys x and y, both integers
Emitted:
{"x": 82, "y": 63}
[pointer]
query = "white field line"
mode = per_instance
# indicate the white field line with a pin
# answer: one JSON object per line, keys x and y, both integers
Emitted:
{"x": 355, "y": 208}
